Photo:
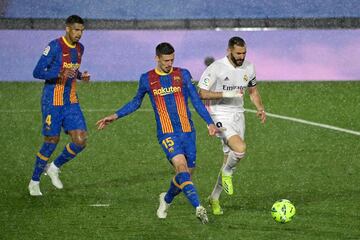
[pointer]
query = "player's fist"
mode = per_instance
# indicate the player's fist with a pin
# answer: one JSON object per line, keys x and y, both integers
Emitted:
{"x": 67, "y": 73}
{"x": 213, "y": 130}
{"x": 85, "y": 76}
{"x": 262, "y": 115}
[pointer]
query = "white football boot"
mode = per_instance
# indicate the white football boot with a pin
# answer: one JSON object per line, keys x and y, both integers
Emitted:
{"x": 163, "y": 206}
{"x": 201, "y": 214}
{"x": 34, "y": 188}
{"x": 53, "y": 172}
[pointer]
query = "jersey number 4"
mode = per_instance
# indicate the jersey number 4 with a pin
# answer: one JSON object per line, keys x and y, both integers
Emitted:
{"x": 48, "y": 120}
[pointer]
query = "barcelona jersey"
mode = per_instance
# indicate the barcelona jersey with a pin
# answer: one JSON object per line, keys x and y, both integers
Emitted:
{"x": 59, "y": 104}
{"x": 169, "y": 94}
{"x": 58, "y": 55}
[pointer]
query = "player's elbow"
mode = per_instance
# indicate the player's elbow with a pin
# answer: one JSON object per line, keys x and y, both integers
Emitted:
{"x": 36, "y": 73}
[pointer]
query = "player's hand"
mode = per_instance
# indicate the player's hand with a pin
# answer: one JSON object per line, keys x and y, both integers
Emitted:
{"x": 262, "y": 115}
{"x": 213, "y": 130}
{"x": 85, "y": 76}
{"x": 102, "y": 123}
{"x": 67, "y": 73}
{"x": 232, "y": 94}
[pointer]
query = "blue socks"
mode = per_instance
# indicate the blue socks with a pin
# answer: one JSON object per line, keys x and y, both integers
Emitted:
{"x": 172, "y": 192}
{"x": 182, "y": 182}
{"x": 41, "y": 159}
{"x": 69, "y": 152}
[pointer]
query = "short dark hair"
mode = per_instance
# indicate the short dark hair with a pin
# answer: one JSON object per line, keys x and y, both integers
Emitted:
{"x": 236, "y": 41}
{"x": 208, "y": 61}
{"x": 164, "y": 48}
{"x": 74, "y": 19}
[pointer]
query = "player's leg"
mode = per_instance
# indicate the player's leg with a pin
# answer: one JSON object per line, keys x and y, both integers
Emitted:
{"x": 70, "y": 151}
{"x": 221, "y": 121}
{"x": 77, "y": 144}
{"x": 215, "y": 194}
{"x": 183, "y": 181}
{"x": 234, "y": 139}
{"x": 174, "y": 149}
{"x": 51, "y": 121}
{"x": 238, "y": 147}
{"x": 171, "y": 147}
{"x": 74, "y": 124}
{"x": 41, "y": 161}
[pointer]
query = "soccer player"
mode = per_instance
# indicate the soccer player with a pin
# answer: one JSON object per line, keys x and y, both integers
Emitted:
{"x": 222, "y": 85}
{"x": 169, "y": 88}
{"x": 59, "y": 67}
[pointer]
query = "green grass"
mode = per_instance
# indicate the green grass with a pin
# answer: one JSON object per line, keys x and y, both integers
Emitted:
{"x": 124, "y": 166}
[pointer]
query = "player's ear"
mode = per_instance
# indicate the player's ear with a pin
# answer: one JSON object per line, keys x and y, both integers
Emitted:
{"x": 157, "y": 59}
{"x": 228, "y": 51}
{"x": 67, "y": 29}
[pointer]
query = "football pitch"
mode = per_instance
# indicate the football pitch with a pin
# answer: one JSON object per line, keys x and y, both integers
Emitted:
{"x": 111, "y": 189}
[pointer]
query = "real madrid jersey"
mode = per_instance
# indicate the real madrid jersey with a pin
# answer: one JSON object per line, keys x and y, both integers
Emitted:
{"x": 222, "y": 76}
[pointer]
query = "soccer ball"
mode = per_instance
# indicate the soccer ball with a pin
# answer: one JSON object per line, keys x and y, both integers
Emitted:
{"x": 283, "y": 211}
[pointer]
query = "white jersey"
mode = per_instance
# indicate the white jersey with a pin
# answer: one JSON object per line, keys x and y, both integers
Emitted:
{"x": 222, "y": 76}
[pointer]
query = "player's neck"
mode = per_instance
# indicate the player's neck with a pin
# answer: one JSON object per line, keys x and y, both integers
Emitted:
{"x": 231, "y": 62}
{"x": 68, "y": 41}
{"x": 159, "y": 71}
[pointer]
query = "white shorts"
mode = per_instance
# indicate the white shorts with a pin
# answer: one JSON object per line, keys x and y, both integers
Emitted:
{"x": 234, "y": 124}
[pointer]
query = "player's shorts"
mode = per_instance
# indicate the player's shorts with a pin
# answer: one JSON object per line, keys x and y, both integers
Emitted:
{"x": 234, "y": 124}
{"x": 180, "y": 143}
{"x": 69, "y": 117}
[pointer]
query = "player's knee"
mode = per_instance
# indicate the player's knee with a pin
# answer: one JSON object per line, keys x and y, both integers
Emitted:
{"x": 80, "y": 140}
{"x": 240, "y": 147}
{"x": 52, "y": 139}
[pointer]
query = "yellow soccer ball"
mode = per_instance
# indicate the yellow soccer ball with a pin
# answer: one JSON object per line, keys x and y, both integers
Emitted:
{"x": 283, "y": 211}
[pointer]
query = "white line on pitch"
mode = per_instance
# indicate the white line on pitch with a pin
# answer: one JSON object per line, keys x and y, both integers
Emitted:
{"x": 99, "y": 205}
{"x": 248, "y": 110}
{"x": 309, "y": 123}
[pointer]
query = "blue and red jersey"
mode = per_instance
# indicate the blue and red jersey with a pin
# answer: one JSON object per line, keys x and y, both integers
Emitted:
{"x": 59, "y": 54}
{"x": 169, "y": 95}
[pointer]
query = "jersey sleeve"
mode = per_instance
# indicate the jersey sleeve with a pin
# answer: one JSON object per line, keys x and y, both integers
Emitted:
{"x": 135, "y": 103}
{"x": 252, "y": 76}
{"x": 195, "y": 99}
{"x": 208, "y": 77}
{"x": 46, "y": 67}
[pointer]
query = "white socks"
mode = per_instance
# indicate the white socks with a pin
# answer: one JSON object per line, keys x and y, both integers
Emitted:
{"x": 228, "y": 170}
{"x": 218, "y": 186}
{"x": 232, "y": 161}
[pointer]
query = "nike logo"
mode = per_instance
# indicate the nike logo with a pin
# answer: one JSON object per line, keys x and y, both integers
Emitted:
{"x": 66, "y": 54}
{"x": 152, "y": 83}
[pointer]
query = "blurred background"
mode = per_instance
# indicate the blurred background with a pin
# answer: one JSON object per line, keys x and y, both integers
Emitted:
{"x": 287, "y": 40}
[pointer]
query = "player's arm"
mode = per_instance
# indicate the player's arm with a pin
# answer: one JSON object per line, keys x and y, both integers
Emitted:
{"x": 207, "y": 80}
{"x": 127, "y": 109}
{"x": 255, "y": 95}
{"x": 83, "y": 76}
{"x": 44, "y": 69}
{"x": 198, "y": 104}
{"x": 256, "y": 100}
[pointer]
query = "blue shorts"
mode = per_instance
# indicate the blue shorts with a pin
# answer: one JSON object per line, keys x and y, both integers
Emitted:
{"x": 69, "y": 117}
{"x": 180, "y": 143}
